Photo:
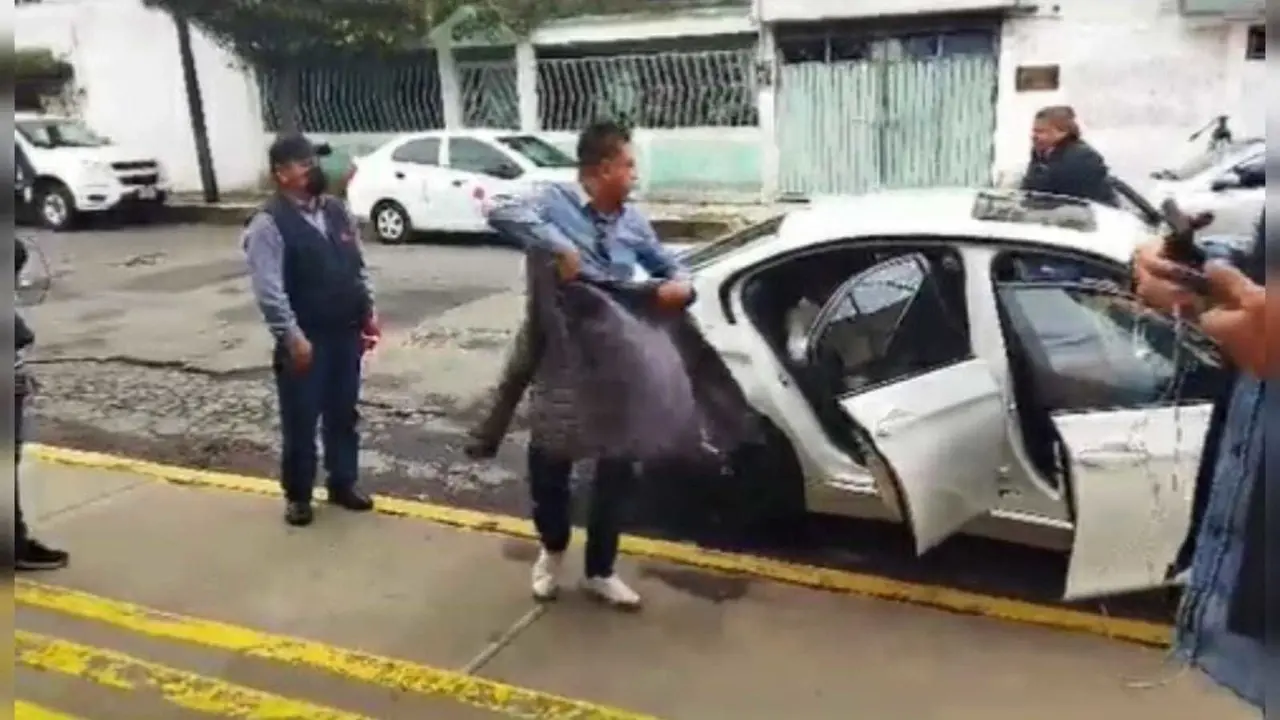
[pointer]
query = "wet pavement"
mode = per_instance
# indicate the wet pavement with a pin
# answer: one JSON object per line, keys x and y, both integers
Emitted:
{"x": 182, "y": 602}
{"x": 149, "y": 345}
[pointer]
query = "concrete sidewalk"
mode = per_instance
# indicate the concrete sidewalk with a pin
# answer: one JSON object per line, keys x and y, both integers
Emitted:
{"x": 182, "y": 600}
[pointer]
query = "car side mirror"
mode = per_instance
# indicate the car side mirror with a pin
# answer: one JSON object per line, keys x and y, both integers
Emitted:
{"x": 1228, "y": 181}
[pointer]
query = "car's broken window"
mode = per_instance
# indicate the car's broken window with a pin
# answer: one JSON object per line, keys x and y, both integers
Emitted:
{"x": 1091, "y": 349}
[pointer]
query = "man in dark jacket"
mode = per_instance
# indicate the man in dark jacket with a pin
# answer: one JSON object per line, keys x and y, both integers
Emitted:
{"x": 1222, "y": 624}
{"x": 311, "y": 283}
{"x": 29, "y": 553}
{"x": 1062, "y": 163}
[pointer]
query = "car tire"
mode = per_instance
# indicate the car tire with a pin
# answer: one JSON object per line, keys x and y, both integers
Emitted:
{"x": 766, "y": 502}
{"x": 55, "y": 207}
{"x": 390, "y": 223}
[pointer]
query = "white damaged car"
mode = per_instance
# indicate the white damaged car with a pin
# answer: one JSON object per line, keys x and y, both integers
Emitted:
{"x": 965, "y": 361}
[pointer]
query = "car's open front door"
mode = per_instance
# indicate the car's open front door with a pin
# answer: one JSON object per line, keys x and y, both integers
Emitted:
{"x": 893, "y": 350}
{"x": 1132, "y": 482}
{"x": 938, "y": 439}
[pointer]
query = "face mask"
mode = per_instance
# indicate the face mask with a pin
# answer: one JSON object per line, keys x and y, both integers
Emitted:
{"x": 317, "y": 182}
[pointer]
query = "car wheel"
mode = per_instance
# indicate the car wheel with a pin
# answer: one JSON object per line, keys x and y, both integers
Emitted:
{"x": 766, "y": 501}
{"x": 390, "y": 223}
{"x": 56, "y": 207}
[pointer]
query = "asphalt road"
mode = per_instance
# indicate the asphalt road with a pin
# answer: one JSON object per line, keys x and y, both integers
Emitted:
{"x": 149, "y": 344}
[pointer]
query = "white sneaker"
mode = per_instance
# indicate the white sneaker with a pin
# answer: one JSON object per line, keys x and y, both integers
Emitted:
{"x": 613, "y": 591}
{"x": 546, "y": 575}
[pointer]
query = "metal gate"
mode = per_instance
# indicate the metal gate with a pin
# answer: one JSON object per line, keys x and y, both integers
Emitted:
{"x": 858, "y": 125}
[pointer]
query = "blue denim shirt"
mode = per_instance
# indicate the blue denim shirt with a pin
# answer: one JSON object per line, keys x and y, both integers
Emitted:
{"x": 612, "y": 247}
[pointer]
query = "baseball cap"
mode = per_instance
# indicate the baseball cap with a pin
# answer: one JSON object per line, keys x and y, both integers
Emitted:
{"x": 294, "y": 148}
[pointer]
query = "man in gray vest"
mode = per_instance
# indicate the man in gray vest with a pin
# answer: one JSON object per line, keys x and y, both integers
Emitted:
{"x": 311, "y": 283}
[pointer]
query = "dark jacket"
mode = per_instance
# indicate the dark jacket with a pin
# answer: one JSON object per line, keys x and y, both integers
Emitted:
{"x": 1073, "y": 169}
{"x": 1249, "y": 600}
{"x": 618, "y": 378}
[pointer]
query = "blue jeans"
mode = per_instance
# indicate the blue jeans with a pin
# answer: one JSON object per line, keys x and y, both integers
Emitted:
{"x": 326, "y": 395}
{"x": 1204, "y": 637}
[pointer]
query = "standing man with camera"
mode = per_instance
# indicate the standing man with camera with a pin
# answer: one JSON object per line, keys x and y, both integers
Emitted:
{"x": 311, "y": 283}
{"x": 1226, "y": 611}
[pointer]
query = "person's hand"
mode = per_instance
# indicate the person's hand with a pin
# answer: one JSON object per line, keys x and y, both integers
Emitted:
{"x": 371, "y": 333}
{"x": 674, "y": 295}
{"x": 1157, "y": 280}
{"x": 1237, "y": 317}
{"x": 299, "y": 350}
{"x": 568, "y": 264}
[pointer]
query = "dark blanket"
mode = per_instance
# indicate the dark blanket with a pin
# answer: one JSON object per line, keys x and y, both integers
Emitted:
{"x": 620, "y": 378}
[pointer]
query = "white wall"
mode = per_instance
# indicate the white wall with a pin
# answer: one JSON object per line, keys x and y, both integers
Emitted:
{"x": 126, "y": 61}
{"x": 1141, "y": 77}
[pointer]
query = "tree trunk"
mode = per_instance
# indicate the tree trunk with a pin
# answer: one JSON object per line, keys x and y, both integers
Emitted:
{"x": 286, "y": 100}
{"x": 195, "y": 107}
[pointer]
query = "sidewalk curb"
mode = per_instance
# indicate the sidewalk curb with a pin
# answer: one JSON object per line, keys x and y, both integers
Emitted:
{"x": 686, "y": 554}
{"x": 697, "y": 229}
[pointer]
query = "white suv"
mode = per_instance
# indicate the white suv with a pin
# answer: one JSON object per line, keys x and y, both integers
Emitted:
{"x": 65, "y": 169}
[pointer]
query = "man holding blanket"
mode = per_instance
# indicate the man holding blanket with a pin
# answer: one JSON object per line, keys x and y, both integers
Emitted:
{"x": 589, "y": 231}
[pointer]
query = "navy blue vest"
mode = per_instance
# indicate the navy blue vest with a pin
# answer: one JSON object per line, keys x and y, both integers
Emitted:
{"x": 321, "y": 270}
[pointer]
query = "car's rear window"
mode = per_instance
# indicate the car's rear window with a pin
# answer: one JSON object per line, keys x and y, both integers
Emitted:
{"x": 704, "y": 255}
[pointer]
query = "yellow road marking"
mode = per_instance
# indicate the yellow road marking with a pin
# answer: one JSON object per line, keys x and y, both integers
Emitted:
{"x": 30, "y": 711}
{"x": 839, "y": 581}
{"x": 389, "y": 673}
{"x": 184, "y": 689}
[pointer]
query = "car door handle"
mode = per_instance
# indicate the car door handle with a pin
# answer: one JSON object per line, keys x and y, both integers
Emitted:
{"x": 457, "y": 183}
{"x": 891, "y": 423}
{"x": 399, "y": 176}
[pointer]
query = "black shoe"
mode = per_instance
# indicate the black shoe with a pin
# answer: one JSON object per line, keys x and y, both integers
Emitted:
{"x": 34, "y": 555}
{"x": 351, "y": 499}
{"x": 299, "y": 514}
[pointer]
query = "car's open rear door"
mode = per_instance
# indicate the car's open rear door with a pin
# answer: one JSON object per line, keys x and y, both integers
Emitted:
{"x": 1132, "y": 480}
{"x": 939, "y": 439}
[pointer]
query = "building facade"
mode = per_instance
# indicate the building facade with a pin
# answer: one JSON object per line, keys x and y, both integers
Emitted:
{"x": 738, "y": 102}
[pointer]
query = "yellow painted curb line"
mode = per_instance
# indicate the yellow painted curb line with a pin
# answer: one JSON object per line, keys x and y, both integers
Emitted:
{"x": 183, "y": 689}
{"x": 838, "y": 581}
{"x": 392, "y": 674}
{"x": 30, "y": 711}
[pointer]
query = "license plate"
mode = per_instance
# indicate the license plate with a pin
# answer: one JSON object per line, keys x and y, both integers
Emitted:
{"x": 147, "y": 193}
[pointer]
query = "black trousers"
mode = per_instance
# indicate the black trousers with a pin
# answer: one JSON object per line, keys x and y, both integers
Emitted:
{"x": 327, "y": 396}
{"x": 552, "y": 507}
{"x": 20, "y": 535}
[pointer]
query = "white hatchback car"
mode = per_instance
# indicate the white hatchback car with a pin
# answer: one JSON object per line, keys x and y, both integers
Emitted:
{"x": 1230, "y": 181}
{"x": 964, "y": 361}
{"x": 438, "y": 181}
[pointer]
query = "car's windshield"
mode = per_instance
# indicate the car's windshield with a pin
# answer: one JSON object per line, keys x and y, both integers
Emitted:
{"x": 51, "y": 133}
{"x": 1205, "y": 160}
{"x": 704, "y": 255}
{"x": 539, "y": 152}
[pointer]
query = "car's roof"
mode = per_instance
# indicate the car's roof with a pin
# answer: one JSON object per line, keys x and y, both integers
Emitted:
{"x": 482, "y": 133}
{"x": 947, "y": 213}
